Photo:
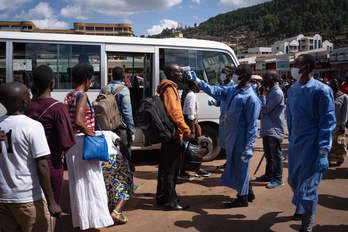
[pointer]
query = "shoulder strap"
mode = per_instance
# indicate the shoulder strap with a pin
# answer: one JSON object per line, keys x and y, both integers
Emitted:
{"x": 89, "y": 103}
{"x": 118, "y": 90}
{"x": 45, "y": 111}
{"x": 104, "y": 90}
{"x": 91, "y": 108}
{"x": 165, "y": 88}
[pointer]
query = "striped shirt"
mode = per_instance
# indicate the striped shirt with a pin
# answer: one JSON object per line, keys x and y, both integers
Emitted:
{"x": 70, "y": 100}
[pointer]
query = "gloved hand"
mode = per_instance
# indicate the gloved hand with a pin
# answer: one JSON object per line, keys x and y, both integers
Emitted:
{"x": 211, "y": 102}
{"x": 247, "y": 154}
{"x": 191, "y": 76}
{"x": 322, "y": 162}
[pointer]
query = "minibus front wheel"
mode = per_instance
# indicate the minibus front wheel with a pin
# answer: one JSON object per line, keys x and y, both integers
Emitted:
{"x": 211, "y": 131}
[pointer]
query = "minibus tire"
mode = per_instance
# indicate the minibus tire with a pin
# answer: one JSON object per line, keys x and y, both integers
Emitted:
{"x": 213, "y": 133}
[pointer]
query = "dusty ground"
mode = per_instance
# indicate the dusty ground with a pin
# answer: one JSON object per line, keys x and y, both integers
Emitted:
{"x": 271, "y": 211}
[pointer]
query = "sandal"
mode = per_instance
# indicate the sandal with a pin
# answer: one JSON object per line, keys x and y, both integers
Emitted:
{"x": 118, "y": 219}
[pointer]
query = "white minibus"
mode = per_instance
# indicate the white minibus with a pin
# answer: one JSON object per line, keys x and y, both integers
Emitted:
{"x": 143, "y": 60}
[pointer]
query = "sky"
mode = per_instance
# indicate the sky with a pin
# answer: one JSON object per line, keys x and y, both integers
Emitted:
{"x": 148, "y": 17}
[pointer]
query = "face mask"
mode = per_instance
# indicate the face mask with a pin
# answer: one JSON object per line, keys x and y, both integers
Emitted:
{"x": 295, "y": 73}
{"x": 235, "y": 78}
{"x": 223, "y": 77}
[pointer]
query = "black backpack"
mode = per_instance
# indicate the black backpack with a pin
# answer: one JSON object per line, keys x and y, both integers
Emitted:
{"x": 153, "y": 120}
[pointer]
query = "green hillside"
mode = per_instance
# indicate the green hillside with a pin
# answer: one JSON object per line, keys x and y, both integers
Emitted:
{"x": 263, "y": 24}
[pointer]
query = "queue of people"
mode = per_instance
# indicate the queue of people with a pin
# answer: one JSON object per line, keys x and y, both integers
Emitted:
{"x": 37, "y": 133}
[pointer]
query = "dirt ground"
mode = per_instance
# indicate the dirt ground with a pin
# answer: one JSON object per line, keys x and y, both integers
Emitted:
{"x": 271, "y": 211}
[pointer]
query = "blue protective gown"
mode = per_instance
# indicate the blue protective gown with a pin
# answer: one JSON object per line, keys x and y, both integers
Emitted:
{"x": 221, "y": 103}
{"x": 310, "y": 119}
{"x": 242, "y": 108}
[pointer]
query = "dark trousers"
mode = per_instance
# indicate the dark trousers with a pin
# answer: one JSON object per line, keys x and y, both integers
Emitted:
{"x": 167, "y": 172}
{"x": 273, "y": 154}
{"x": 125, "y": 138}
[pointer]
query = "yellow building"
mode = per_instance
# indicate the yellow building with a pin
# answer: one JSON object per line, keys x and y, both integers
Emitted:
{"x": 112, "y": 29}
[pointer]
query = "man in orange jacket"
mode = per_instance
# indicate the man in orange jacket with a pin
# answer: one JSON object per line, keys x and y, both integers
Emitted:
{"x": 170, "y": 151}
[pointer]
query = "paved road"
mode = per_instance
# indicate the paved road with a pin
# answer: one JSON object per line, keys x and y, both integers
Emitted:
{"x": 271, "y": 211}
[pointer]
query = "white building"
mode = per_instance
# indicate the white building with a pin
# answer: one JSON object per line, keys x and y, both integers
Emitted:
{"x": 339, "y": 55}
{"x": 254, "y": 52}
{"x": 328, "y": 45}
{"x": 300, "y": 43}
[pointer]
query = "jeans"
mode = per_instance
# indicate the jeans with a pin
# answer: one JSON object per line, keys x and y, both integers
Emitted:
{"x": 167, "y": 172}
{"x": 273, "y": 154}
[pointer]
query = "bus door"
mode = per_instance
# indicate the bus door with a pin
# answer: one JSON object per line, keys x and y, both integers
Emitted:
{"x": 138, "y": 78}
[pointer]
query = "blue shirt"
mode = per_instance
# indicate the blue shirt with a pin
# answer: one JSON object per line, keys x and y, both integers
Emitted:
{"x": 272, "y": 113}
{"x": 124, "y": 105}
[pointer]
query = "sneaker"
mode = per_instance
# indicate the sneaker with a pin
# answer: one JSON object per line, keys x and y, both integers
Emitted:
{"x": 274, "y": 184}
{"x": 185, "y": 177}
{"x": 203, "y": 173}
{"x": 263, "y": 178}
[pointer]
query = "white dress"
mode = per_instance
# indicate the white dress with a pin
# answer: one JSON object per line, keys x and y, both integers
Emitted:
{"x": 88, "y": 197}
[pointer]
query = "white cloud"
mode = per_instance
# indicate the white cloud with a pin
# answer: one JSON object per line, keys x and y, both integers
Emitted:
{"x": 11, "y": 4}
{"x": 196, "y": 1}
{"x": 116, "y": 8}
{"x": 50, "y": 23}
{"x": 75, "y": 11}
{"x": 164, "y": 23}
{"x": 41, "y": 10}
{"x": 241, "y": 3}
{"x": 43, "y": 17}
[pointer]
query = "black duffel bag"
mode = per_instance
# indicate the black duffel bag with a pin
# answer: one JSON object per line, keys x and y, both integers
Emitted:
{"x": 195, "y": 152}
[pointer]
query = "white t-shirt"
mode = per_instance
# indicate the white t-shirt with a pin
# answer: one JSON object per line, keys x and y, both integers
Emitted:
{"x": 26, "y": 141}
{"x": 191, "y": 106}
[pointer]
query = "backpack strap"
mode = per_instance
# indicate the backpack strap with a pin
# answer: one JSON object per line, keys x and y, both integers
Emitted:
{"x": 45, "y": 111}
{"x": 118, "y": 90}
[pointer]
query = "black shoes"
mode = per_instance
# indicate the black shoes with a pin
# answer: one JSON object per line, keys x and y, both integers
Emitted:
{"x": 221, "y": 166}
{"x": 241, "y": 201}
{"x": 251, "y": 197}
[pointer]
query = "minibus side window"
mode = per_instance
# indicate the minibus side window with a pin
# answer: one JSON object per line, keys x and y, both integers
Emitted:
{"x": 213, "y": 64}
{"x": 207, "y": 64}
{"x": 61, "y": 58}
{"x": 2, "y": 62}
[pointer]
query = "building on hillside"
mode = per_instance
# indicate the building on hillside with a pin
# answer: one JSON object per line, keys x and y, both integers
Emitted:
{"x": 339, "y": 61}
{"x": 331, "y": 64}
{"x": 301, "y": 43}
{"x": 119, "y": 29}
{"x": 279, "y": 57}
{"x": 254, "y": 52}
{"x": 112, "y": 29}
